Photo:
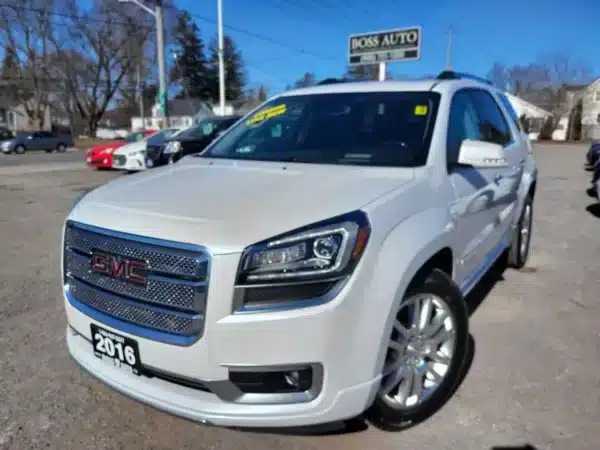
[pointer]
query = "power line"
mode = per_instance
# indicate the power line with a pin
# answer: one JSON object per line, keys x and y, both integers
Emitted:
{"x": 264, "y": 38}
{"x": 203, "y": 18}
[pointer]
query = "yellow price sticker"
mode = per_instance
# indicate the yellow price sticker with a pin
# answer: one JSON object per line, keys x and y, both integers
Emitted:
{"x": 421, "y": 110}
{"x": 267, "y": 113}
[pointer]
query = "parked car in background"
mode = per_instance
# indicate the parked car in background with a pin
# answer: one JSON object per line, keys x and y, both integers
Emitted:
{"x": 38, "y": 140}
{"x": 193, "y": 140}
{"x": 132, "y": 157}
{"x": 101, "y": 156}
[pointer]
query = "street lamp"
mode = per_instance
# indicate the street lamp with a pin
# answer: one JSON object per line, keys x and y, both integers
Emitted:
{"x": 160, "y": 50}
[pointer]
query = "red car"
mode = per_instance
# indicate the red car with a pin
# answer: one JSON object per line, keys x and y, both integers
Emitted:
{"x": 101, "y": 156}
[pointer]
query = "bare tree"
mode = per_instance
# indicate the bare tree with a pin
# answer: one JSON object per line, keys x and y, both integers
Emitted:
{"x": 553, "y": 82}
{"x": 95, "y": 53}
{"x": 26, "y": 28}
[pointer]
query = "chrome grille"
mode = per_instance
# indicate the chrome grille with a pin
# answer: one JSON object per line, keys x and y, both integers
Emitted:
{"x": 174, "y": 299}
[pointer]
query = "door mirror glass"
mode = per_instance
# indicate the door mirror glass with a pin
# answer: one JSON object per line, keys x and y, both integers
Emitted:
{"x": 481, "y": 154}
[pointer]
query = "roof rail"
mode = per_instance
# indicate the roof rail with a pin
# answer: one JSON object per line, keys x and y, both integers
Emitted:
{"x": 332, "y": 81}
{"x": 451, "y": 75}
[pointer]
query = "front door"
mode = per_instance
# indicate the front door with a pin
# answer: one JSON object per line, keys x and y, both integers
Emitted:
{"x": 496, "y": 128}
{"x": 475, "y": 192}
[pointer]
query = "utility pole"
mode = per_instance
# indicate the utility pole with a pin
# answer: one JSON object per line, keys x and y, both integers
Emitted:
{"x": 162, "y": 70}
{"x": 160, "y": 52}
{"x": 140, "y": 89}
{"x": 449, "y": 51}
{"x": 221, "y": 48}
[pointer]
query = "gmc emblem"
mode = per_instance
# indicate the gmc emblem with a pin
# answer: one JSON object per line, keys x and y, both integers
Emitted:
{"x": 131, "y": 270}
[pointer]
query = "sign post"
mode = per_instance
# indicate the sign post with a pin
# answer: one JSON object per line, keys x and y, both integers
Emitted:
{"x": 402, "y": 44}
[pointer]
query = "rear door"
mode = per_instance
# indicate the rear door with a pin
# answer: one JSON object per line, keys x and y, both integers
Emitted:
{"x": 496, "y": 127}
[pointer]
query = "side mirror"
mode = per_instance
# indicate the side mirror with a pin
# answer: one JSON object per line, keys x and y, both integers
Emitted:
{"x": 481, "y": 154}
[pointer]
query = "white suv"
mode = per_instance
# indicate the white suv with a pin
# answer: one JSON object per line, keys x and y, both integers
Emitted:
{"x": 312, "y": 263}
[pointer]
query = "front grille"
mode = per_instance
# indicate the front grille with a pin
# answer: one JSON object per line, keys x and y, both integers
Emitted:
{"x": 174, "y": 299}
{"x": 119, "y": 160}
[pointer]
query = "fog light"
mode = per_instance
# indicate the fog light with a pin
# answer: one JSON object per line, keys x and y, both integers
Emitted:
{"x": 292, "y": 378}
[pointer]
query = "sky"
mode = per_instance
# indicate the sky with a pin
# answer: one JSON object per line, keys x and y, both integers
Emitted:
{"x": 313, "y": 34}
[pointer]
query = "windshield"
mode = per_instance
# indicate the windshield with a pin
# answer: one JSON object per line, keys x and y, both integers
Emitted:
{"x": 365, "y": 128}
{"x": 159, "y": 137}
{"x": 135, "y": 137}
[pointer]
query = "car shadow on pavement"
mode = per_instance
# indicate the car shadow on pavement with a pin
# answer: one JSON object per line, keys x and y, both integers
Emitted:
{"x": 358, "y": 424}
{"x": 594, "y": 209}
{"x": 519, "y": 447}
{"x": 591, "y": 191}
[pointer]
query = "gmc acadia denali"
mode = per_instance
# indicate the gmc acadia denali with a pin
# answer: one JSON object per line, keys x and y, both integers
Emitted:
{"x": 311, "y": 263}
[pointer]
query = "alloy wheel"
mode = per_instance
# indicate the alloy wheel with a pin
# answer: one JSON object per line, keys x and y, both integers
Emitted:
{"x": 420, "y": 351}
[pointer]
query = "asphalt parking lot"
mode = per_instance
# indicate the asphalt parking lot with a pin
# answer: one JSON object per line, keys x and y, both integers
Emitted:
{"x": 533, "y": 382}
{"x": 41, "y": 157}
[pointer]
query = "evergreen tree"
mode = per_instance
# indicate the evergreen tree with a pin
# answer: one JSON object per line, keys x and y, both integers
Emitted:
{"x": 235, "y": 77}
{"x": 190, "y": 70}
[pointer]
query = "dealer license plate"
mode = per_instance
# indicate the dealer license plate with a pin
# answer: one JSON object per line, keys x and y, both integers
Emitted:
{"x": 89, "y": 159}
{"x": 119, "y": 350}
{"x": 149, "y": 163}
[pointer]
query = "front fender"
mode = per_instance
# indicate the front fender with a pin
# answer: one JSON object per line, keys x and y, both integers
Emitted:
{"x": 402, "y": 252}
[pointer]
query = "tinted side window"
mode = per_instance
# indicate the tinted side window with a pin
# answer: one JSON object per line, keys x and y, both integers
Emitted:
{"x": 511, "y": 111}
{"x": 463, "y": 124}
{"x": 493, "y": 126}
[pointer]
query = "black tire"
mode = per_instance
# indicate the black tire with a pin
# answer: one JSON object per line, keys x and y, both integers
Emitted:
{"x": 388, "y": 418}
{"x": 518, "y": 253}
{"x": 61, "y": 148}
{"x": 19, "y": 149}
{"x": 49, "y": 150}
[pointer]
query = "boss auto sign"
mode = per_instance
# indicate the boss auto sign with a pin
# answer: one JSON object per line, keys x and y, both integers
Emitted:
{"x": 394, "y": 45}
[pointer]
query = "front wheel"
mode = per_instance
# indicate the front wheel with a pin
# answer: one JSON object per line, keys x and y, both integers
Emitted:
{"x": 426, "y": 352}
{"x": 19, "y": 149}
{"x": 521, "y": 241}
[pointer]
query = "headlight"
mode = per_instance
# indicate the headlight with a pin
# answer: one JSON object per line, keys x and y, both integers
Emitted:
{"x": 172, "y": 147}
{"x": 106, "y": 151}
{"x": 6, "y": 144}
{"x": 323, "y": 250}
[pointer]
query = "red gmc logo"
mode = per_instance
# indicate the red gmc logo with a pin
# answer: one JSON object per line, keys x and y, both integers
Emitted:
{"x": 131, "y": 270}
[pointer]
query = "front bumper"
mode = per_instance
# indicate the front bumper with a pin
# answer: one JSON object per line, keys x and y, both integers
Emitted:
{"x": 207, "y": 408}
{"x": 239, "y": 341}
{"x": 132, "y": 163}
{"x": 101, "y": 162}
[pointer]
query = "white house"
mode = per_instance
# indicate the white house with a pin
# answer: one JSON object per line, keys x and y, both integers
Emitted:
{"x": 536, "y": 115}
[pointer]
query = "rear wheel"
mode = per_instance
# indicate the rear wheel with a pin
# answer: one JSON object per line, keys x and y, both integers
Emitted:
{"x": 425, "y": 355}
{"x": 521, "y": 241}
{"x": 61, "y": 148}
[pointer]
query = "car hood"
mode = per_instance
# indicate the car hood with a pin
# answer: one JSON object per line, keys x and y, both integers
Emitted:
{"x": 227, "y": 205}
{"x": 134, "y": 147}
